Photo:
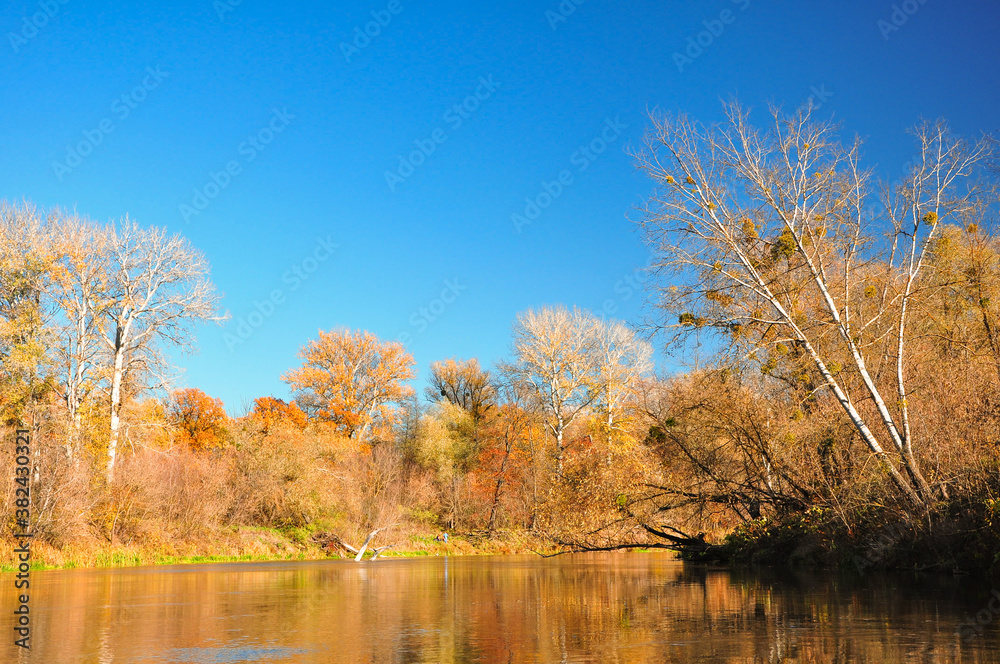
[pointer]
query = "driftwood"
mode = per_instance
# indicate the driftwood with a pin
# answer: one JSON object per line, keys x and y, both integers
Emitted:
{"x": 328, "y": 539}
{"x": 378, "y": 551}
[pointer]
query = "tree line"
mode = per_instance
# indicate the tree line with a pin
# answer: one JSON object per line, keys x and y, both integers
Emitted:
{"x": 851, "y": 383}
{"x": 87, "y": 313}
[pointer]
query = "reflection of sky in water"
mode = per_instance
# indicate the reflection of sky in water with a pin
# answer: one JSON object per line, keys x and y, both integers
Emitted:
{"x": 229, "y": 655}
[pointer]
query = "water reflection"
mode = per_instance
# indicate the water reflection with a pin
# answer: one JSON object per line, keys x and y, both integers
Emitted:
{"x": 585, "y": 608}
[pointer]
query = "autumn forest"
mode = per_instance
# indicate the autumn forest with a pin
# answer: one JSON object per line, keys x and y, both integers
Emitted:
{"x": 847, "y": 412}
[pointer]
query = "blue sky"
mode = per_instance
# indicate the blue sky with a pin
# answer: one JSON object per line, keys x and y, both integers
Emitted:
{"x": 276, "y": 125}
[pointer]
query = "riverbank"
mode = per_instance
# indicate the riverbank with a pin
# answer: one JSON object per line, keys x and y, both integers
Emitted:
{"x": 962, "y": 539}
{"x": 959, "y": 537}
{"x": 248, "y": 544}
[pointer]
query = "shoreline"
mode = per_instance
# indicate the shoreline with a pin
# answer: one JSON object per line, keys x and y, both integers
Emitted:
{"x": 243, "y": 545}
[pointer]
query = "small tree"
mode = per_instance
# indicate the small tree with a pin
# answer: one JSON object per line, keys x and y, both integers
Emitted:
{"x": 270, "y": 412}
{"x": 201, "y": 420}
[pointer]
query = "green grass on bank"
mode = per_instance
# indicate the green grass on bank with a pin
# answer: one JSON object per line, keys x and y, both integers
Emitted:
{"x": 244, "y": 544}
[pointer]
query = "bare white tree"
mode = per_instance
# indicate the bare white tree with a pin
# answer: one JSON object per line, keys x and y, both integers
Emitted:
{"x": 772, "y": 238}
{"x": 622, "y": 360}
{"x": 554, "y": 355}
{"x": 158, "y": 288}
{"x": 574, "y": 362}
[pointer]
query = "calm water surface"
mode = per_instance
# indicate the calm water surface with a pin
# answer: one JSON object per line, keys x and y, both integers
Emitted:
{"x": 584, "y": 608}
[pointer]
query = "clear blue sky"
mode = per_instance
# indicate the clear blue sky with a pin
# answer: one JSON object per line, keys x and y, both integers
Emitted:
{"x": 227, "y": 72}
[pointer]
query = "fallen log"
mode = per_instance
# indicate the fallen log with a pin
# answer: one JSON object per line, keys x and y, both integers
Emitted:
{"x": 364, "y": 547}
{"x": 378, "y": 551}
{"x": 328, "y": 540}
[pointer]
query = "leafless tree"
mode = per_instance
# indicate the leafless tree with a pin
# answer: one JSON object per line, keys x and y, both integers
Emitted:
{"x": 79, "y": 289}
{"x": 773, "y": 238}
{"x": 158, "y": 288}
{"x": 623, "y": 359}
{"x": 554, "y": 354}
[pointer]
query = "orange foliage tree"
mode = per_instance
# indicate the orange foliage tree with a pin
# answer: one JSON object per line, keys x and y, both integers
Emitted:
{"x": 352, "y": 379}
{"x": 503, "y": 482}
{"x": 270, "y": 412}
{"x": 201, "y": 420}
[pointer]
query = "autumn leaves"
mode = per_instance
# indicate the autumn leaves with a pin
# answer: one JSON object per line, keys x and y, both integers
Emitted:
{"x": 352, "y": 379}
{"x": 92, "y": 311}
{"x": 569, "y": 361}
{"x": 773, "y": 240}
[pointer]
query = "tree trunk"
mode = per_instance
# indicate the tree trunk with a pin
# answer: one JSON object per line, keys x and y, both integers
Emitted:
{"x": 495, "y": 507}
{"x": 559, "y": 429}
{"x": 116, "y": 400}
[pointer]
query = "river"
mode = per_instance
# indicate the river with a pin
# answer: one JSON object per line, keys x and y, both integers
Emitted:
{"x": 635, "y": 607}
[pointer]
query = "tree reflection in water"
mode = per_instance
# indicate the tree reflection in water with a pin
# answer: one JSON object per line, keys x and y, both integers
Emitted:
{"x": 618, "y": 608}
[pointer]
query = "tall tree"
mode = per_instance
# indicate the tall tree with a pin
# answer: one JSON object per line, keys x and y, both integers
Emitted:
{"x": 623, "y": 359}
{"x": 554, "y": 355}
{"x": 352, "y": 379}
{"x": 158, "y": 288}
{"x": 446, "y": 446}
{"x": 79, "y": 288}
{"x": 772, "y": 238}
{"x": 26, "y": 257}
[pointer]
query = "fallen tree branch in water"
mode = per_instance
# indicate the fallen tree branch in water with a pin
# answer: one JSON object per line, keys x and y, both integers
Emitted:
{"x": 326, "y": 540}
{"x": 690, "y": 547}
{"x": 379, "y": 550}
{"x": 364, "y": 547}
